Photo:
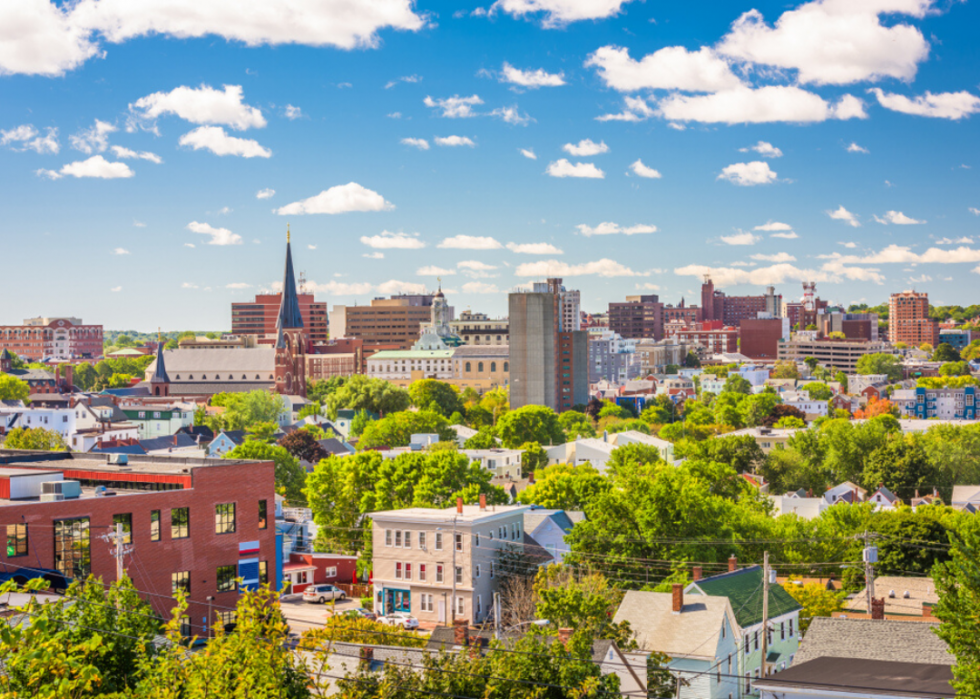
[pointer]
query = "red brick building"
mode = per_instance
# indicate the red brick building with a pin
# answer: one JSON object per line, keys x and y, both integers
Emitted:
{"x": 713, "y": 335}
{"x": 61, "y": 338}
{"x": 194, "y": 524}
{"x": 759, "y": 337}
{"x": 258, "y": 317}
{"x": 909, "y": 321}
{"x": 639, "y": 317}
{"x": 732, "y": 310}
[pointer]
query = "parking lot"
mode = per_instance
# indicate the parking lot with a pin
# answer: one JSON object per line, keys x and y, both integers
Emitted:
{"x": 303, "y": 615}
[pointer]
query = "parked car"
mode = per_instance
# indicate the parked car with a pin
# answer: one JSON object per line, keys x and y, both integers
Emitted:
{"x": 322, "y": 593}
{"x": 403, "y": 619}
{"x": 360, "y": 613}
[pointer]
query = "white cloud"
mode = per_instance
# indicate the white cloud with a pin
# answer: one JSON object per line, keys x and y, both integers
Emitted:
{"x": 585, "y": 148}
{"x": 189, "y": 245}
{"x": 189, "y": 285}
{"x": 217, "y": 140}
{"x": 855, "y": 148}
{"x": 121, "y": 152}
{"x": 534, "y": 248}
{"x": 897, "y": 254}
{"x": 743, "y": 238}
{"x": 419, "y": 143}
{"x": 896, "y": 217}
{"x": 528, "y": 153}
{"x": 558, "y": 13}
{"x": 636, "y": 109}
{"x": 393, "y": 241}
{"x": 201, "y": 105}
{"x": 42, "y": 37}
{"x": 957, "y": 241}
{"x": 511, "y": 115}
{"x": 850, "y": 245}
{"x": 219, "y": 236}
{"x": 94, "y": 139}
{"x": 647, "y": 286}
{"x": 833, "y": 42}
{"x": 311, "y": 247}
{"x": 748, "y": 174}
{"x": 777, "y": 257}
{"x": 96, "y": 166}
{"x": 433, "y": 271}
{"x": 773, "y": 226}
{"x": 398, "y": 287}
{"x": 772, "y": 103}
{"x": 791, "y": 235}
{"x": 531, "y": 79}
{"x": 454, "y": 141}
{"x": 340, "y": 199}
{"x": 29, "y": 139}
{"x": 765, "y": 149}
{"x": 944, "y": 105}
{"x": 116, "y": 289}
{"x": 404, "y": 79}
{"x": 139, "y": 224}
{"x": 335, "y": 288}
{"x": 480, "y": 288}
{"x": 265, "y": 193}
{"x": 455, "y": 107}
{"x": 395, "y": 115}
{"x": 470, "y": 242}
{"x": 780, "y": 273}
{"x": 120, "y": 251}
{"x": 556, "y": 268}
{"x": 842, "y": 214}
{"x": 237, "y": 285}
{"x": 563, "y": 168}
{"x": 476, "y": 269}
{"x": 609, "y": 228}
{"x": 642, "y": 170}
{"x": 374, "y": 255}
{"x": 291, "y": 112}
{"x": 974, "y": 210}
{"x": 670, "y": 68}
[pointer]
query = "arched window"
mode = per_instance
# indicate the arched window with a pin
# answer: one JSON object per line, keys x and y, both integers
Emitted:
{"x": 506, "y": 366}
{"x": 479, "y": 367}
{"x": 493, "y": 367}
{"x": 468, "y": 367}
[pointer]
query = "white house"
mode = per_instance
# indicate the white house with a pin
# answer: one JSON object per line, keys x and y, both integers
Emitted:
{"x": 505, "y": 463}
{"x": 550, "y": 527}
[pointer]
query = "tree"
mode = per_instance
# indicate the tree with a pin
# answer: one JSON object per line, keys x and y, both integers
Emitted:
{"x": 585, "y": 601}
{"x": 340, "y": 628}
{"x": 880, "y": 364}
{"x": 632, "y": 454}
{"x": 737, "y": 384}
{"x": 812, "y": 363}
{"x": 396, "y": 429}
{"x": 836, "y": 335}
{"x": 841, "y": 378}
{"x": 958, "y": 585}
{"x": 789, "y": 422}
{"x": 531, "y": 423}
{"x": 359, "y": 422}
{"x": 313, "y": 409}
{"x": 818, "y": 391}
{"x": 671, "y": 369}
{"x": 925, "y": 347}
{"x": 565, "y": 487}
{"x": 242, "y": 410}
{"x": 12, "y": 388}
{"x": 496, "y": 403}
{"x": 945, "y": 353}
{"x": 437, "y": 396}
{"x": 36, "y": 438}
{"x": 756, "y": 408}
{"x": 303, "y": 446}
{"x": 290, "y": 476}
{"x": 262, "y": 432}
{"x": 785, "y": 370}
{"x": 319, "y": 390}
{"x": 816, "y": 600}
{"x": 901, "y": 465}
{"x": 691, "y": 360}
{"x": 360, "y": 392}
{"x": 875, "y": 408}
{"x": 954, "y": 368}
{"x": 483, "y": 439}
{"x": 575, "y": 425}
{"x": 533, "y": 458}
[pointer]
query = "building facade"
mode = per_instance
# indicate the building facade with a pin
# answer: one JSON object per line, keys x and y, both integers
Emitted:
{"x": 957, "y": 339}
{"x": 839, "y": 354}
{"x": 638, "y": 318}
{"x": 259, "y": 317}
{"x": 909, "y": 321}
{"x": 713, "y": 335}
{"x": 943, "y": 403}
{"x": 386, "y": 323}
{"x": 613, "y": 358}
{"x": 52, "y": 338}
{"x": 759, "y": 338}
{"x": 479, "y": 329}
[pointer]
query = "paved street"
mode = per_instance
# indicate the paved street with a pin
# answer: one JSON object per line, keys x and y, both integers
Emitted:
{"x": 303, "y": 615}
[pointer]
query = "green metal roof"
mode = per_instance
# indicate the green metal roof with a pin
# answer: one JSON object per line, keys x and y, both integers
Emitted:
{"x": 772, "y": 657}
{"x": 394, "y": 355}
{"x": 743, "y": 588}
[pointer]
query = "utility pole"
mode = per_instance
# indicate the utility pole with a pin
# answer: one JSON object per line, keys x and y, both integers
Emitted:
{"x": 765, "y": 614}
{"x": 870, "y": 556}
{"x": 497, "y": 622}
{"x": 120, "y": 570}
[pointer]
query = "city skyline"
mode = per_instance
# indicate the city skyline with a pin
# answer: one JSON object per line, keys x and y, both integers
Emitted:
{"x": 626, "y": 147}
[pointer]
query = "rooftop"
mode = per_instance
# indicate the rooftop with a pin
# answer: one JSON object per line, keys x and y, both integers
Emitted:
{"x": 830, "y": 675}
{"x": 879, "y": 639}
{"x": 743, "y": 588}
{"x": 922, "y": 591}
{"x": 692, "y": 633}
{"x": 61, "y": 461}
{"x": 471, "y": 513}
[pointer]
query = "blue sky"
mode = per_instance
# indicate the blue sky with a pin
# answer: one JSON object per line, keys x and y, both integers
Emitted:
{"x": 669, "y": 140}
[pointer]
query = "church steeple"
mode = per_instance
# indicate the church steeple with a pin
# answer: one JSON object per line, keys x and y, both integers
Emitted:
{"x": 290, "y": 317}
{"x": 160, "y": 382}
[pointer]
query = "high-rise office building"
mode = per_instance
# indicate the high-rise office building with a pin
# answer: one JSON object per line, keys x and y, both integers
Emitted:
{"x": 548, "y": 361}
{"x": 638, "y": 318}
{"x": 386, "y": 324}
{"x": 259, "y": 317}
{"x": 909, "y": 321}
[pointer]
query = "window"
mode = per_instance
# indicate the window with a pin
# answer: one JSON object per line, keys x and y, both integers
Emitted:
{"x": 422, "y": 572}
{"x": 16, "y": 540}
{"x": 506, "y": 366}
{"x": 72, "y": 547}
{"x": 723, "y": 627}
{"x": 476, "y": 537}
{"x": 263, "y": 572}
{"x": 422, "y": 540}
{"x": 493, "y": 365}
{"x": 408, "y": 571}
{"x": 225, "y": 619}
{"x": 459, "y": 606}
{"x": 330, "y": 572}
{"x": 398, "y": 539}
{"x": 398, "y": 571}
{"x": 459, "y": 542}
{"x": 746, "y": 644}
{"x": 185, "y": 627}
{"x": 408, "y": 540}
{"x": 224, "y": 518}
{"x": 491, "y": 535}
{"x": 459, "y": 575}
{"x": 782, "y": 631}
{"x": 729, "y": 663}
{"x": 438, "y": 573}
{"x": 263, "y": 514}
{"x": 468, "y": 367}
{"x": 748, "y": 682}
{"x": 491, "y": 569}
{"x": 180, "y": 523}
{"x": 479, "y": 367}
{"x": 427, "y": 605}
{"x": 387, "y": 537}
{"x": 791, "y": 628}
{"x": 127, "y": 521}
{"x": 154, "y": 525}
{"x": 479, "y": 605}
{"x": 226, "y": 578}
{"x": 756, "y": 641}
{"x": 180, "y": 581}
{"x": 476, "y": 570}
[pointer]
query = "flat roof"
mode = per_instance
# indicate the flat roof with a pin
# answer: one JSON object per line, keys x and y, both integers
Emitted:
{"x": 136, "y": 463}
{"x": 471, "y": 513}
{"x": 862, "y": 676}
{"x": 6, "y": 472}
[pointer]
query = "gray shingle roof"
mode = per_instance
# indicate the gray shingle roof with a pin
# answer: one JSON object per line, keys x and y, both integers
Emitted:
{"x": 850, "y": 676}
{"x": 694, "y": 632}
{"x": 882, "y": 639}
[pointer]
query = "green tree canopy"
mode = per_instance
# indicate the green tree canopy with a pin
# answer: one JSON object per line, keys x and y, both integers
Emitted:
{"x": 880, "y": 364}
{"x": 35, "y": 438}
{"x": 360, "y": 392}
{"x": 243, "y": 410}
{"x": 531, "y": 423}
{"x": 565, "y": 487}
{"x": 396, "y": 429}
{"x": 290, "y": 476}
{"x": 12, "y": 388}
{"x": 437, "y": 396}
{"x": 818, "y": 391}
{"x": 902, "y": 466}
{"x": 575, "y": 425}
{"x": 945, "y": 352}
{"x": 958, "y": 585}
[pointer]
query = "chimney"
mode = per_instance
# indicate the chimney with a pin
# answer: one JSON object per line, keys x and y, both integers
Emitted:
{"x": 678, "y": 592}
{"x": 564, "y": 635}
{"x": 459, "y": 506}
{"x": 732, "y": 563}
{"x": 461, "y": 632}
{"x": 917, "y": 493}
{"x": 175, "y": 440}
{"x": 367, "y": 654}
{"x": 697, "y": 573}
{"x": 483, "y": 502}
{"x": 530, "y": 478}
{"x": 877, "y": 608}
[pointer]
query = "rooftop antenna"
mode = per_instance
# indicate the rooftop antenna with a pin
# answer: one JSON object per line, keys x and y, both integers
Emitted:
{"x": 302, "y": 282}
{"x": 287, "y": 234}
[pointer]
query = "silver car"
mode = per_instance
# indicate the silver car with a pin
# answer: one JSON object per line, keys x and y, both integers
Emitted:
{"x": 323, "y": 593}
